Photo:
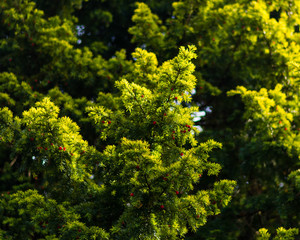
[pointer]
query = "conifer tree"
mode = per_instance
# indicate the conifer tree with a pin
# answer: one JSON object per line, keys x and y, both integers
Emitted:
{"x": 97, "y": 139}
{"x": 254, "y": 44}
{"x": 146, "y": 180}
{"x": 157, "y": 163}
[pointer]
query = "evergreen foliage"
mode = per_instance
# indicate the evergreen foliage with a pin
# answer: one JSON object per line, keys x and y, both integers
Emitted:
{"x": 98, "y": 134}
{"x": 158, "y": 162}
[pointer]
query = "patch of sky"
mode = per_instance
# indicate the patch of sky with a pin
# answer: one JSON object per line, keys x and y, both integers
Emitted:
{"x": 80, "y": 30}
{"x": 197, "y": 115}
{"x": 44, "y": 161}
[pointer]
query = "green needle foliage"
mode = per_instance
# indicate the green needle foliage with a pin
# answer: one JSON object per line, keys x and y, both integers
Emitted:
{"x": 152, "y": 168}
{"x": 98, "y": 134}
{"x": 28, "y": 215}
{"x": 157, "y": 162}
{"x": 282, "y": 234}
{"x": 253, "y": 44}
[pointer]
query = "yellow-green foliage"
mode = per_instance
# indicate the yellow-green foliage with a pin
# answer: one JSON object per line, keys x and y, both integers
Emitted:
{"x": 11, "y": 90}
{"x": 30, "y": 214}
{"x": 47, "y": 47}
{"x": 157, "y": 161}
{"x": 147, "y": 26}
{"x": 145, "y": 171}
{"x": 48, "y": 138}
{"x": 236, "y": 41}
{"x": 282, "y": 234}
{"x": 272, "y": 115}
